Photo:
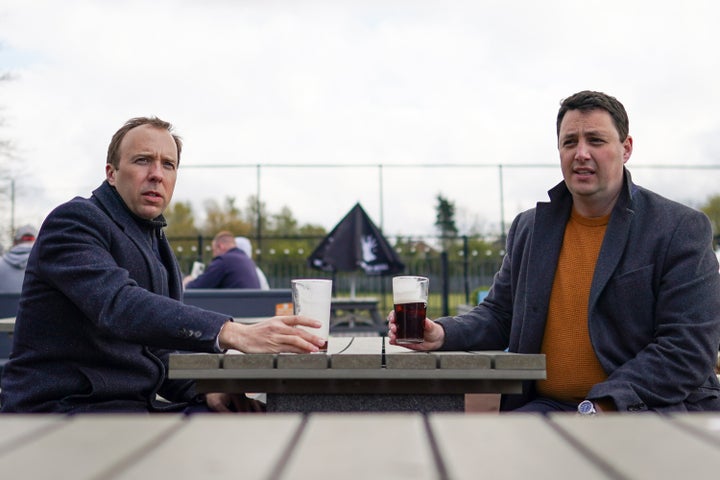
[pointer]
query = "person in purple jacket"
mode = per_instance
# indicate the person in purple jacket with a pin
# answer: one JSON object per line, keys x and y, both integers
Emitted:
{"x": 229, "y": 268}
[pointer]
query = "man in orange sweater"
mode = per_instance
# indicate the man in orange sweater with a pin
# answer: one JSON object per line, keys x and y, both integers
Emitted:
{"x": 616, "y": 285}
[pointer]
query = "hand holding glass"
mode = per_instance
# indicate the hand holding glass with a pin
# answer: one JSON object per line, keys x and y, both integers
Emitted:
{"x": 410, "y": 295}
{"x": 311, "y": 298}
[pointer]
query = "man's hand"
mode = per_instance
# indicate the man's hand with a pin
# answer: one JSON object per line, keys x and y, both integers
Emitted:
{"x": 433, "y": 335}
{"x": 275, "y": 335}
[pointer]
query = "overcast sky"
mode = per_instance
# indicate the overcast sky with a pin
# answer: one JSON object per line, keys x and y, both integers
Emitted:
{"x": 399, "y": 83}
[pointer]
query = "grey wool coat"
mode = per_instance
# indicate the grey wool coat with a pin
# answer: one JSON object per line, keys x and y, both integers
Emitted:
{"x": 654, "y": 306}
{"x": 99, "y": 314}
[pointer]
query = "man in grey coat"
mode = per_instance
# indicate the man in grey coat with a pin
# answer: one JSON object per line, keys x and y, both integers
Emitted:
{"x": 616, "y": 285}
{"x": 13, "y": 262}
{"x": 101, "y": 308}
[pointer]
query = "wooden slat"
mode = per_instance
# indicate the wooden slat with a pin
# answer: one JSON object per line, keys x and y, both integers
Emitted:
{"x": 262, "y": 361}
{"x": 507, "y": 446}
{"x": 219, "y": 446}
{"x": 515, "y": 361}
{"x": 302, "y": 361}
{"x": 706, "y": 422}
{"x": 643, "y": 446}
{"x": 358, "y": 446}
{"x": 365, "y": 345}
{"x": 87, "y": 446}
{"x": 460, "y": 360}
{"x": 393, "y": 349}
{"x": 18, "y": 429}
{"x": 195, "y": 361}
{"x": 360, "y": 353}
{"x": 337, "y": 344}
{"x": 414, "y": 361}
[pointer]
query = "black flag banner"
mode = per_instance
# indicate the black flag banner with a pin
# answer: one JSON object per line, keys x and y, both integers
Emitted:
{"x": 356, "y": 243}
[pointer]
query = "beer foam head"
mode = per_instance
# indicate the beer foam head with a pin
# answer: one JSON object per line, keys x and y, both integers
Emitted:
{"x": 410, "y": 289}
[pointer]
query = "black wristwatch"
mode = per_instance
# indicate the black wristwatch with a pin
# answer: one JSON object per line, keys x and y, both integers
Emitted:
{"x": 586, "y": 407}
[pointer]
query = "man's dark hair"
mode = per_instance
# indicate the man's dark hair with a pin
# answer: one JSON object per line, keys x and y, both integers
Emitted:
{"x": 586, "y": 101}
{"x": 113, "y": 154}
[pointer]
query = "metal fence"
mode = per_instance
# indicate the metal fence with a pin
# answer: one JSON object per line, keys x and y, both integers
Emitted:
{"x": 455, "y": 276}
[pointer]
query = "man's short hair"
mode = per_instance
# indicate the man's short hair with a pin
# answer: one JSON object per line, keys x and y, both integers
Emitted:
{"x": 587, "y": 100}
{"x": 224, "y": 237}
{"x": 113, "y": 154}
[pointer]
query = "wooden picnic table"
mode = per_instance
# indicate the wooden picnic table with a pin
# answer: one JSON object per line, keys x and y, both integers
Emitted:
{"x": 360, "y": 446}
{"x": 361, "y": 374}
{"x": 356, "y": 314}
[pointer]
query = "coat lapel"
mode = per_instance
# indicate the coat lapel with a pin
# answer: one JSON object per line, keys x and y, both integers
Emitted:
{"x": 127, "y": 223}
{"x": 548, "y": 232}
{"x": 613, "y": 246}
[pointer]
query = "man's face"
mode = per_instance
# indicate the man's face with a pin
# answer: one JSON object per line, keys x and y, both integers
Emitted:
{"x": 147, "y": 171}
{"x": 592, "y": 158}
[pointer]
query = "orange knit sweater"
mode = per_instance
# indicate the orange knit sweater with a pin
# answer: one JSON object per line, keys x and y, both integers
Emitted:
{"x": 572, "y": 366}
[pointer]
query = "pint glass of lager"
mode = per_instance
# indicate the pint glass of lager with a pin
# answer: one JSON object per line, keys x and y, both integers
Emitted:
{"x": 312, "y": 298}
{"x": 410, "y": 295}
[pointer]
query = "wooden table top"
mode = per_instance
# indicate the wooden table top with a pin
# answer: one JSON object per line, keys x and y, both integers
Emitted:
{"x": 360, "y": 446}
{"x": 361, "y": 365}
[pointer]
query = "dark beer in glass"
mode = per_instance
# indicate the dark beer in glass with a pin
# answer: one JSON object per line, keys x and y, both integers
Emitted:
{"x": 409, "y": 319}
{"x": 410, "y": 301}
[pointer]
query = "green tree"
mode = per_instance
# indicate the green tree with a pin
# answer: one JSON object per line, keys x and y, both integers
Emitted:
{"x": 184, "y": 234}
{"x": 225, "y": 217}
{"x": 181, "y": 220}
{"x": 284, "y": 223}
{"x": 253, "y": 211}
{"x": 288, "y": 239}
{"x": 445, "y": 221}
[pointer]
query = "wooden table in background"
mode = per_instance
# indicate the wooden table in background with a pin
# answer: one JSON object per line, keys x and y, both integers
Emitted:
{"x": 356, "y": 315}
{"x": 7, "y": 325}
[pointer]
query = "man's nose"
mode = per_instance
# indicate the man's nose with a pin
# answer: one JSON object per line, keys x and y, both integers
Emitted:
{"x": 582, "y": 152}
{"x": 156, "y": 172}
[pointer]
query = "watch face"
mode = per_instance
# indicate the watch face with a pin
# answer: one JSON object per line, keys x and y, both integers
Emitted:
{"x": 586, "y": 408}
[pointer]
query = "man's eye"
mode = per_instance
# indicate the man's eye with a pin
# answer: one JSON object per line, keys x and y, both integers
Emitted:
{"x": 569, "y": 143}
{"x": 141, "y": 160}
{"x": 169, "y": 165}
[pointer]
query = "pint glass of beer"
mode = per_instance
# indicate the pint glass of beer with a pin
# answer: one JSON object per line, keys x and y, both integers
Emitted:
{"x": 410, "y": 296}
{"x": 312, "y": 298}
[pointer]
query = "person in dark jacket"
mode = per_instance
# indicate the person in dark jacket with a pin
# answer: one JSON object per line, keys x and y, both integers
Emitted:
{"x": 229, "y": 268}
{"x": 616, "y": 285}
{"x": 101, "y": 310}
{"x": 14, "y": 261}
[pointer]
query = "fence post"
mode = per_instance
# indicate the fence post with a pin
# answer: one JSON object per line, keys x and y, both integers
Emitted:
{"x": 466, "y": 269}
{"x": 445, "y": 283}
{"x": 200, "y": 249}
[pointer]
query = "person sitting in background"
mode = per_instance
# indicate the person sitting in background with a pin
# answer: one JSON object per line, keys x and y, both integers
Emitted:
{"x": 13, "y": 263}
{"x": 243, "y": 243}
{"x": 229, "y": 268}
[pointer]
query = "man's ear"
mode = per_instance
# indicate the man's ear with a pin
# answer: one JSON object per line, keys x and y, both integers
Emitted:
{"x": 627, "y": 148}
{"x": 110, "y": 173}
